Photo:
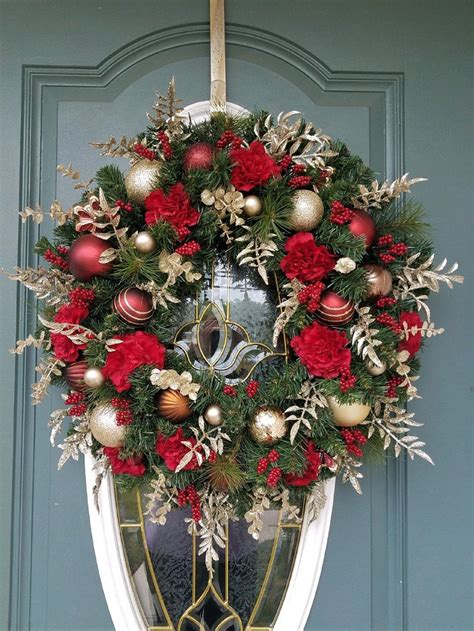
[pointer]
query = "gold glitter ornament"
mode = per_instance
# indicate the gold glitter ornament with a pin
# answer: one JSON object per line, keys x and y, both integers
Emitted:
{"x": 349, "y": 414}
{"x": 268, "y": 425}
{"x": 144, "y": 242}
{"x": 307, "y": 210}
{"x": 252, "y": 205}
{"x": 373, "y": 369}
{"x": 213, "y": 415}
{"x": 93, "y": 377}
{"x": 139, "y": 180}
{"x": 104, "y": 428}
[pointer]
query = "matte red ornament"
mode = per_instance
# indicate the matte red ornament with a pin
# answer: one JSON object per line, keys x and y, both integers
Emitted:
{"x": 199, "y": 156}
{"x": 362, "y": 225}
{"x": 74, "y": 375}
{"x": 83, "y": 257}
{"x": 334, "y": 309}
{"x": 134, "y": 305}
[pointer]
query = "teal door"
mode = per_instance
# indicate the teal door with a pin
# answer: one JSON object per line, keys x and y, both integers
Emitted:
{"x": 389, "y": 78}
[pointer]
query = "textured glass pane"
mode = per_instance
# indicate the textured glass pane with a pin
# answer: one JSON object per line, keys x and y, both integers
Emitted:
{"x": 128, "y": 511}
{"x": 278, "y": 579}
{"x": 142, "y": 577}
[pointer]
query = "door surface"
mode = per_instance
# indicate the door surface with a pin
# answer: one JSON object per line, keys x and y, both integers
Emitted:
{"x": 391, "y": 80}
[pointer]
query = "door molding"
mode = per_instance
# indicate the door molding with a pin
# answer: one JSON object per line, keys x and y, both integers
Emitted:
{"x": 43, "y": 88}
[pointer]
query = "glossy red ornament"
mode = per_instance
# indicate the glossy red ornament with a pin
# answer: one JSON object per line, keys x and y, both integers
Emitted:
{"x": 74, "y": 375}
{"x": 133, "y": 305}
{"x": 199, "y": 156}
{"x": 362, "y": 225}
{"x": 334, "y": 309}
{"x": 83, "y": 257}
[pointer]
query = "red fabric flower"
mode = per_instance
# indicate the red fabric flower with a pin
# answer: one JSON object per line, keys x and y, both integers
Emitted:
{"x": 172, "y": 450}
{"x": 131, "y": 466}
{"x": 305, "y": 260}
{"x": 137, "y": 349}
{"x": 413, "y": 343}
{"x": 252, "y": 166}
{"x": 322, "y": 350}
{"x": 64, "y": 348}
{"x": 174, "y": 207}
{"x": 311, "y": 472}
{"x": 71, "y": 313}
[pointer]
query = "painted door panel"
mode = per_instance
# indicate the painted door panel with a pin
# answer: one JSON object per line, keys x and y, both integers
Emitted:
{"x": 365, "y": 72}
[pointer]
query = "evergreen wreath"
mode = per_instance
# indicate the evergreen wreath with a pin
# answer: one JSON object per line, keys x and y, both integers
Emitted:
{"x": 345, "y": 258}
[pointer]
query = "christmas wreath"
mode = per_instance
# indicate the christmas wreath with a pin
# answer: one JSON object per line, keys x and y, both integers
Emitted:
{"x": 200, "y": 412}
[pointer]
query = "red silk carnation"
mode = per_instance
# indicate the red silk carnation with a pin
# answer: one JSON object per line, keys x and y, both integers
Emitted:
{"x": 137, "y": 349}
{"x": 174, "y": 207}
{"x": 131, "y": 466}
{"x": 252, "y": 166}
{"x": 311, "y": 472}
{"x": 172, "y": 450}
{"x": 305, "y": 260}
{"x": 413, "y": 343}
{"x": 64, "y": 348}
{"x": 322, "y": 350}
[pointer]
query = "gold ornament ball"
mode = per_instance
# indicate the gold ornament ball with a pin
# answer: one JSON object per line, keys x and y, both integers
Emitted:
{"x": 139, "y": 180}
{"x": 268, "y": 425}
{"x": 104, "y": 426}
{"x": 252, "y": 205}
{"x": 375, "y": 370}
{"x": 213, "y": 415}
{"x": 307, "y": 210}
{"x": 379, "y": 279}
{"x": 349, "y": 414}
{"x": 93, "y": 377}
{"x": 144, "y": 242}
{"x": 173, "y": 406}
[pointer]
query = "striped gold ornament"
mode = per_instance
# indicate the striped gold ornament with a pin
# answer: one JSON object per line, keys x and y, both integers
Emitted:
{"x": 334, "y": 309}
{"x": 133, "y": 305}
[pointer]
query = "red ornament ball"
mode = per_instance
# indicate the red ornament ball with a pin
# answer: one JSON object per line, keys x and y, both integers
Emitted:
{"x": 133, "y": 305}
{"x": 362, "y": 225}
{"x": 84, "y": 256}
{"x": 334, "y": 309}
{"x": 74, "y": 375}
{"x": 199, "y": 156}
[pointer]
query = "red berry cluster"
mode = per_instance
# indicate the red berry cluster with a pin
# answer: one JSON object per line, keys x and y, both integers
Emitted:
{"x": 81, "y": 296}
{"x": 144, "y": 152}
{"x": 275, "y": 473}
{"x": 189, "y": 495}
{"x": 392, "y": 386}
{"x": 340, "y": 214}
{"x": 351, "y": 437}
{"x": 165, "y": 145}
{"x": 388, "y": 250}
{"x": 119, "y": 203}
{"x": 286, "y": 162}
{"x": 76, "y": 399}
{"x": 274, "y": 477}
{"x": 385, "y": 301}
{"x": 323, "y": 177}
{"x": 188, "y": 249}
{"x": 57, "y": 258}
{"x": 389, "y": 321}
{"x": 230, "y": 391}
{"x": 229, "y": 138}
{"x": 252, "y": 388}
{"x": 212, "y": 457}
{"x": 182, "y": 232}
{"x": 311, "y": 295}
{"x": 346, "y": 380}
{"x": 300, "y": 181}
{"x": 124, "y": 414}
{"x": 298, "y": 169}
